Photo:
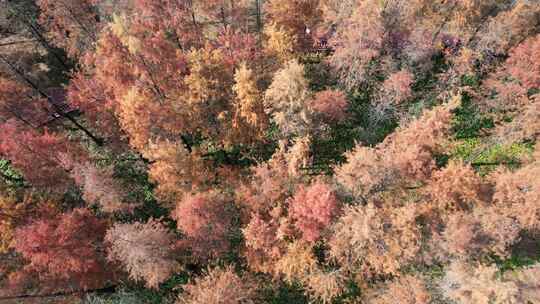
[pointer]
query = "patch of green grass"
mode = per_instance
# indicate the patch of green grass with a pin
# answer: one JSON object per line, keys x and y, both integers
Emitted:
{"x": 11, "y": 177}
{"x": 468, "y": 121}
{"x": 524, "y": 253}
{"x": 488, "y": 158}
{"x": 471, "y": 80}
{"x": 233, "y": 156}
{"x": 352, "y": 291}
{"x": 515, "y": 262}
{"x": 472, "y": 150}
{"x": 285, "y": 294}
{"x": 120, "y": 297}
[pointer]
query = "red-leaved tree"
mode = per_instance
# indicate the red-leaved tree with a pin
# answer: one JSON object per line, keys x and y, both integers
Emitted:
{"x": 313, "y": 208}
{"x": 206, "y": 220}
{"x": 66, "y": 247}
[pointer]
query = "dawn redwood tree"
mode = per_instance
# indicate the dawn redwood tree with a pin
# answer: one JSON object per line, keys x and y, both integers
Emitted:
{"x": 404, "y": 156}
{"x": 330, "y": 105}
{"x": 466, "y": 18}
{"x": 279, "y": 44}
{"x": 176, "y": 85}
{"x": 324, "y": 285}
{"x": 66, "y": 246}
{"x": 219, "y": 117}
{"x": 206, "y": 220}
{"x": 177, "y": 171}
{"x": 514, "y": 85}
{"x": 14, "y": 212}
{"x": 358, "y": 41}
{"x": 263, "y": 200}
{"x": 178, "y": 17}
{"x": 397, "y": 87}
{"x": 286, "y": 100}
{"x": 100, "y": 187}
{"x": 145, "y": 250}
{"x": 297, "y": 262}
{"x": 335, "y": 12}
{"x": 250, "y": 118}
{"x": 239, "y": 47}
{"x": 226, "y": 14}
{"x": 90, "y": 97}
{"x": 528, "y": 286}
{"x": 523, "y": 63}
{"x": 516, "y": 193}
{"x": 456, "y": 187}
{"x": 479, "y": 233}
{"x": 42, "y": 158}
{"x": 356, "y": 238}
{"x": 313, "y": 208}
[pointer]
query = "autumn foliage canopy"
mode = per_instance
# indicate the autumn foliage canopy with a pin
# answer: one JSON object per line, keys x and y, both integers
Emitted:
{"x": 278, "y": 151}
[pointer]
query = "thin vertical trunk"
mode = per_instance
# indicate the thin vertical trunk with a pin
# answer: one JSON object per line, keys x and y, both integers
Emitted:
{"x": 258, "y": 15}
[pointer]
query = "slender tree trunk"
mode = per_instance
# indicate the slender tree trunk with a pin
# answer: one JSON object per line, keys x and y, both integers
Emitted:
{"x": 483, "y": 164}
{"x": 17, "y": 42}
{"x": 258, "y": 15}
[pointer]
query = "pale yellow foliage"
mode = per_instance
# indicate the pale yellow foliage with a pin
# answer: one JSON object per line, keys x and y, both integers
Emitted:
{"x": 286, "y": 100}
{"x": 175, "y": 170}
{"x": 8, "y": 212}
{"x": 298, "y": 156}
{"x": 249, "y": 119}
{"x": 207, "y": 76}
{"x": 279, "y": 43}
{"x": 120, "y": 28}
{"x": 132, "y": 116}
{"x": 208, "y": 94}
{"x": 469, "y": 284}
{"x": 325, "y": 286}
{"x": 297, "y": 262}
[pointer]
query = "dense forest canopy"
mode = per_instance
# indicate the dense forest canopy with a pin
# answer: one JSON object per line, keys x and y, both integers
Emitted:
{"x": 270, "y": 151}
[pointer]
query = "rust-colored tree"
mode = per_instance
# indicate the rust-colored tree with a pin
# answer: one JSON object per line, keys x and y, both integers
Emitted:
{"x": 66, "y": 247}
